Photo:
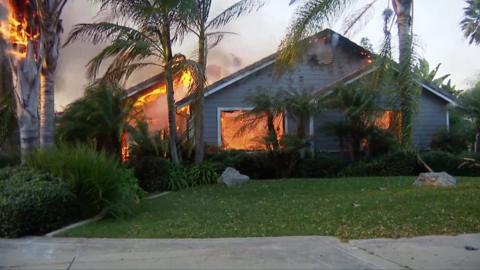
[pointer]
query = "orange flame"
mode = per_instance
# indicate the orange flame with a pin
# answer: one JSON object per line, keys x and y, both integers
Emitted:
{"x": 20, "y": 27}
{"x": 184, "y": 81}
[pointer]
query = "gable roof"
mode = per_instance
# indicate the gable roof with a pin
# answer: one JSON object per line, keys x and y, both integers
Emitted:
{"x": 271, "y": 60}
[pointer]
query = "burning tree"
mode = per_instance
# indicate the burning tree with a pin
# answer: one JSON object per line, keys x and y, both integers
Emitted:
{"x": 20, "y": 28}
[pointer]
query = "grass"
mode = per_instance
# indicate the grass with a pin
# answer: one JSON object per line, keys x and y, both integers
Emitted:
{"x": 345, "y": 208}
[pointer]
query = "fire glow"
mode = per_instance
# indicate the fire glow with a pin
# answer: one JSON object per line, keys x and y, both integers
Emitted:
{"x": 181, "y": 83}
{"x": 20, "y": 27}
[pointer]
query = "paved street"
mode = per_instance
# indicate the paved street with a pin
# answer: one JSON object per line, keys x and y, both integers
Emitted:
{"x": 243, "y": 253}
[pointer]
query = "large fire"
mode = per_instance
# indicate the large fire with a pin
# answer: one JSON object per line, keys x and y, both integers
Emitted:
{"x": 181, "y": 85}
{"x": 20, "y": 26}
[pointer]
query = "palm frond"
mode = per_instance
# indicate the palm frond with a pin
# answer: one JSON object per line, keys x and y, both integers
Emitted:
{"x": 236, "y": 10}
{"x": 360, "y": 17}
{"x": 310, "y": 18}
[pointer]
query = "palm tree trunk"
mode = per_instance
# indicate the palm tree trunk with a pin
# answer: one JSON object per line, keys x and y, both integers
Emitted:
{"x": 172, "y": 125}
{"x": 26, "y": 95}
{"x": 272, "y": 133}
{"x": 47, "y": 94}
{"x": 200, "y": 100}
{"x": 403, "y": 10}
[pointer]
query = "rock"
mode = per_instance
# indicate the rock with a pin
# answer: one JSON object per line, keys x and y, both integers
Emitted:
{"x": 442, "y": 179}
{"x": 231, "y": 177}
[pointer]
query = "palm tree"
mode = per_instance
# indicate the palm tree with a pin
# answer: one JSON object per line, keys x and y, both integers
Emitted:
{"x": 471, "y": 22}
{"x": 51, "y": 28}
{"x": 101, "y": 117}
{"x": 302, "y": 104}
{"x": 267, "y": 105}
{"x": 209, "y": 34}
{"x": 7, "y": 100}
{"x": 26, "y": 63}
{"x": 315, "y": 13}
{"x": 142, "y": 33}
{"x": 359, "y": 107}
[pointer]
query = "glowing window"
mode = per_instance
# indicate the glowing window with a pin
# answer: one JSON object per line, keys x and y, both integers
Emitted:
{"x": 388, "y": 120}
{"x": 251, "y": 139}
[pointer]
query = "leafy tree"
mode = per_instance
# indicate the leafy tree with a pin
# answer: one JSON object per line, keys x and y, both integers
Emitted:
{"x": 423, "y": 71}
{"x": 142, "y": 34}
{"x": 471, "y": 22}
{"x": 209, "y": 34}
{"x": 313, "y": 14}
{"x": 470, "y": 106}
{"x": 101, "y": 117}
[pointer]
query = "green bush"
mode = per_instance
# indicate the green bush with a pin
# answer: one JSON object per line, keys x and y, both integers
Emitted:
{"x": 321, "y": 165}
{"x": 98, "y": 180}
{"x": 9, "y": 160}
{"x": 152, "y": 173}
{"x": 187, "y": 177}
{"x": 203, "y": 174}
{"x": 450, "y": 141}
{"x": 402, "y": 163}
{"x": 33, "y": 203}
{"x": 447, "y": 162}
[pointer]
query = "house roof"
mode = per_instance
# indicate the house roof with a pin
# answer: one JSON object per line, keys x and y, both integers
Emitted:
{"x": 270, "y": 60}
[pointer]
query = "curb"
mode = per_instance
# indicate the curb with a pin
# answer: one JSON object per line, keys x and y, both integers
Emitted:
{"x": 96, "y": 218}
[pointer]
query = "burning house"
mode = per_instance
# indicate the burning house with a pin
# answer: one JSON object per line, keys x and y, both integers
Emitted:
{"x": 331, "y": 60}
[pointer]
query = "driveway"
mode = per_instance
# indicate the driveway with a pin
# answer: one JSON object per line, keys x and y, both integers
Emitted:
{"x": 435, "y": 252}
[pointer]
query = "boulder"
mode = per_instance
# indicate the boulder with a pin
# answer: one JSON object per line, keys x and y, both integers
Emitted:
{"x": 442, "y": 179}
{"x": 231, "y": 177}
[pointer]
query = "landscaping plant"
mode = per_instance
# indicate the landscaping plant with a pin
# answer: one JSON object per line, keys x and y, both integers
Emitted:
{"x": 33, "y": 202}
{"x": 98, "y": 180}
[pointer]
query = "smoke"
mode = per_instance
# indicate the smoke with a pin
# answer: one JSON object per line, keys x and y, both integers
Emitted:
{"x": 222, "y": 64}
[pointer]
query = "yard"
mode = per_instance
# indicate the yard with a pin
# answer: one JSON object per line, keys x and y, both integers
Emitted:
{"x": 345, "y": 208}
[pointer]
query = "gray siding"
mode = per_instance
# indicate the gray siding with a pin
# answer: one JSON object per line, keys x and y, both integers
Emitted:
{"x": 304, "y": 75}
{"x": 431, "y": 117}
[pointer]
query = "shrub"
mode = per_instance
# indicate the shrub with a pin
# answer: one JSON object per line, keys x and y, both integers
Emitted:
{"x": 447, "y": 162}
{"x": 402, "y": 163}
{"x": 450, "y": 141}
{"x": 321, "y": 165}
{"x": 33, "y": 203}
{"x": 7, "y": 159}
{"x": 98, "y": 181}
{"x": 152, "y": 173}
{"x": 178, "y": 178}
{"x": 187, "y": 177}
{"x": 203, "y": 174}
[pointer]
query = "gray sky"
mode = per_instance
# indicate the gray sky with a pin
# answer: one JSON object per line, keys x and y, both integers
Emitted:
{"x": 436, "y": 25}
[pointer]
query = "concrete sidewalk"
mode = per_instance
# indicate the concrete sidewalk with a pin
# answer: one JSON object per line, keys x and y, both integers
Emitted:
{"x": 436, "y": 252}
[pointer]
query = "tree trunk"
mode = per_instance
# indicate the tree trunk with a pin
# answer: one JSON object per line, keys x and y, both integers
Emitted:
{"x": 172, "y": 125}
{"x": 51, "y": 37}
{"x": 403, "y": 10}
{"x": 8, "y": 128}
{"x": 200, "y": 100}
{"x": 272, "y": 133}
{"x": 26, "y": 96}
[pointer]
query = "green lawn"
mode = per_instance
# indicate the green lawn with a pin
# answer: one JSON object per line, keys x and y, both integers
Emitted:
{"x": 346, "y": 208}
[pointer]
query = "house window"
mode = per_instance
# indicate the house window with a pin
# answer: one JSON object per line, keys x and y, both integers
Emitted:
{"x": 245, "y": 133}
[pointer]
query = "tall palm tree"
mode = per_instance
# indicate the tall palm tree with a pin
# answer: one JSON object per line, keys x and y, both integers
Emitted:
{"x": 209, "y": 34}
{"x": 313, "y": 14}
{"x": 26, "y": 61}
{"x": 51, "y": 28}
{"x": 471, "y": 22}
{"x": 142, "y": 33}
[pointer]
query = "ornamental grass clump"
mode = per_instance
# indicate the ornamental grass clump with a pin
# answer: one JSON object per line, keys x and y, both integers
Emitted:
{"x": 98, "y": 180}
